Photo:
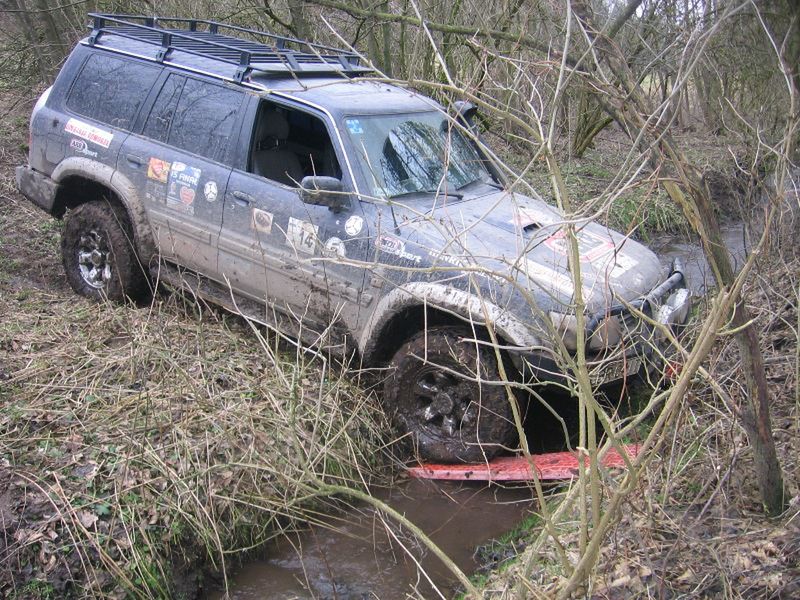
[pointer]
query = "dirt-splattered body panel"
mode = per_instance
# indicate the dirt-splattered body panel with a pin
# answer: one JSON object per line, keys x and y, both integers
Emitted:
{"x": 319, "y": 206}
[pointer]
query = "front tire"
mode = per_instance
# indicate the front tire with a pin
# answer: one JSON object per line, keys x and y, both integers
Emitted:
{"x": 98, "y": 253}
{"x": 433, "y": 393}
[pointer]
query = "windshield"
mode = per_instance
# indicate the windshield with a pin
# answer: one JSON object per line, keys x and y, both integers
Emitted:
{"x": 411, "y": 153}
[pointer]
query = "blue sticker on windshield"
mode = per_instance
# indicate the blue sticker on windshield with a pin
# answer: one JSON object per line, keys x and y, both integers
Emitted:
{"x": 354, "y": 126}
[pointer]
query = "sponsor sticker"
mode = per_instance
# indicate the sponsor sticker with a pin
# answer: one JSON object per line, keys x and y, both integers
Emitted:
{"x": 591, "y": 247}
{"x": 90, "y": 133}
{"x": 525, "y": 217}
{"x": 353, "y": 225}
{"x": 354, "y": 126}
{"x": 455, "y": 261}
{"x": 210, "y": 191}
{"x": 335, "y": 247}
{"x": 301, "y": 235}
{"x": 396, "y": 247}
{"x": 550, "y": 279}
{"x": 622, "y": 264}
{"x": 82, "y": 147}
{"x": 186, "y": 194}
{"x": 158, "y": 170}
{"x": 262, "y": 221}
{"x": 182, "y": 187}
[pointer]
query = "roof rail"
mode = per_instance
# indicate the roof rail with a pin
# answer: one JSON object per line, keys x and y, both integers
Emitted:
{"x": 263, "y": 52}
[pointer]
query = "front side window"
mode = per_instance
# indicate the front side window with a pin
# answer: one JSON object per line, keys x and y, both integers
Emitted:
{"x": 111, "y": 90}
{"x": 414, "y": 153}
{"x": 204, "y": 118}
{"x": 290, "y": 144}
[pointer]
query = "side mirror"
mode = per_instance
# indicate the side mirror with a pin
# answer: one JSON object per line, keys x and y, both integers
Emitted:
{"x": 466, "y": 113}
{"x": 324, "y": 191}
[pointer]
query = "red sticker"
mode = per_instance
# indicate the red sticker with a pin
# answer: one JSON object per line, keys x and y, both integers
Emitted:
{"x": 187, "y": 195}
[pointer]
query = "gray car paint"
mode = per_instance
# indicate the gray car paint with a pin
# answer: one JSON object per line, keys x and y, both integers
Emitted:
{"x": 491, "y": 254}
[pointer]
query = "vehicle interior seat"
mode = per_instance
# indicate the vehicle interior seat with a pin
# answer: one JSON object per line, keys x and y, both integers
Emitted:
{"x": 271, "y": 159}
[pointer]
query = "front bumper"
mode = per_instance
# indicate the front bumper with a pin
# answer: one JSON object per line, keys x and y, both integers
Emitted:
{"x": 641, "y": 340}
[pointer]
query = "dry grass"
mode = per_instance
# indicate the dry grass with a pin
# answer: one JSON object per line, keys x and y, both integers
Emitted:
{"x": 141, "y": 447}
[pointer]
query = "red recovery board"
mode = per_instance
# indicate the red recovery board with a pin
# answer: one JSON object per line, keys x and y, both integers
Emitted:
{"x": 551, "y": 466}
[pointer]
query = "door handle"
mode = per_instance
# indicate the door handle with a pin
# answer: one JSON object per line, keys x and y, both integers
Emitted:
{"x": 134, "y": 160}
{"x": 242, "y": 198}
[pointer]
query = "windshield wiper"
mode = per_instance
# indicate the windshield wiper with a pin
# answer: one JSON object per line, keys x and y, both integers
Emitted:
{"x": 441, "y": 192}
{"x": 493, "y": 184}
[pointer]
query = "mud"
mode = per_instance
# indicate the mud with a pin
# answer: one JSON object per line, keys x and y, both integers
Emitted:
{"x": 359, "y": 556}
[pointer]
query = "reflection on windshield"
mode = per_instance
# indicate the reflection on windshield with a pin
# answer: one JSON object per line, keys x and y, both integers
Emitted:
{"x": 420, "y": 152}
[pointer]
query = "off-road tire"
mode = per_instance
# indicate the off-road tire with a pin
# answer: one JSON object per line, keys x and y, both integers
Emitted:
{"x": 446, "y": 417}
{"x": 99, "y": 254}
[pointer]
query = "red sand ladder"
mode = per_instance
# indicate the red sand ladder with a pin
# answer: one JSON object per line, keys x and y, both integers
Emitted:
{"x": 549, "y": 467}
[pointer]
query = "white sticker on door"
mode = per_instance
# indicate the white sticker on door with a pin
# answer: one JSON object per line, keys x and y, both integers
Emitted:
{"x": 93, "y": 134}
{"x": 301, "y": 235}
{"x": 210, "y": 190}
{"x": 353, "y": 225}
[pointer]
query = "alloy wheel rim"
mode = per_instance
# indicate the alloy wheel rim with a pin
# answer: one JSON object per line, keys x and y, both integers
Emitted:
{"x": 94, "y": 260}
{"x": 443, "y": 402}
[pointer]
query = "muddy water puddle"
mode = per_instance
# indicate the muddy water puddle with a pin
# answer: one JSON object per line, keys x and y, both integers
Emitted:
{"x": 690, "y": 252}
{"x": 362, "y": 556}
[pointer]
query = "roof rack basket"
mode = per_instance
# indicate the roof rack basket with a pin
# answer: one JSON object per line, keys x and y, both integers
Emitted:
{"x": 250, "y": 50}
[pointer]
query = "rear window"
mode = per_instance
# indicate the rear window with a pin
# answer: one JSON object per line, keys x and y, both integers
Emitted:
{"x": 195, "y": 116}
{"x": 111, "y": 90}
{"x": 204, "y": 119}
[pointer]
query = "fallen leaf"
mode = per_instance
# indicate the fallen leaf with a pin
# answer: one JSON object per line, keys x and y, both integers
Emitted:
{"x": 87, "y": 518}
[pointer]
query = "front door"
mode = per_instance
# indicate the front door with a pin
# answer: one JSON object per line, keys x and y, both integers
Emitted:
{"x": 301, "y": 259}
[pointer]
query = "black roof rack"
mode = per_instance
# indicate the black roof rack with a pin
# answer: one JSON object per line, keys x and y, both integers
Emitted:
{"x": 263, "y": 52}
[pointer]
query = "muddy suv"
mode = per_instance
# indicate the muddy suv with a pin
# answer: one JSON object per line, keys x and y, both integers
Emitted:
{"x": 274, "y": 177}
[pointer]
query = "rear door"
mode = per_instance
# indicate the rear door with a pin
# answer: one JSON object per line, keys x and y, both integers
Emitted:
{"x": 181, "y": 159}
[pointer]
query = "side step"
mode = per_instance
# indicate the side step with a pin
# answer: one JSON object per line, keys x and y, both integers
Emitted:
{"x": 549, "y": 467}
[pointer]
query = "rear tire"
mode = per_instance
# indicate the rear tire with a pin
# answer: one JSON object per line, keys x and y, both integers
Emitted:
{"x": 438, "y": 404}
{"x": 99, "y": 254}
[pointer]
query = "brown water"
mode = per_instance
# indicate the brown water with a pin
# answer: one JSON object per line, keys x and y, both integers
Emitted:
{"x": 361, "y": 556}
{"x": 699, "y": 274}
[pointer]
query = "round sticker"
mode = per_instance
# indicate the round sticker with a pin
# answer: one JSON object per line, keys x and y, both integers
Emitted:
{"x": 353, "y": 225}
{"x": 210, "y": 190}
{"x": 335, "y": 246}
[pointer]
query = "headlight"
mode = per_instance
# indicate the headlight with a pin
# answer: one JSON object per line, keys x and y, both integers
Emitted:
{"x": 566, "y": 327}
{"x": 607, "y": 334}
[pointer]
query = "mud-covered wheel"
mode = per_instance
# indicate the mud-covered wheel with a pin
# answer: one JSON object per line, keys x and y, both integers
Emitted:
{"x": 98, "y": 253}
{"x": 433, "y": 394}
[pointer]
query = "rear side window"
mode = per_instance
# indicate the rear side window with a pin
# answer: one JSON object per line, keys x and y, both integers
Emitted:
{"x": 204, "y": 119}
{"x": 160, "y": 118}
{"x": 111, "y": 90}
{"x": 195, "y": 116}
